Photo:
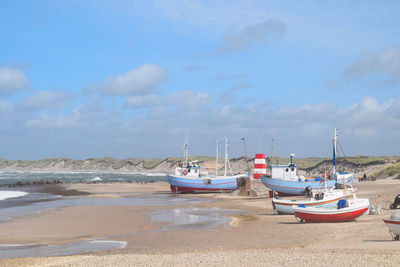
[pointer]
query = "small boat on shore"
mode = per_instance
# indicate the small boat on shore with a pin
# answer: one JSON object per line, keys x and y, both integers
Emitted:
{"x": 327, "y": 198}
{"x": 285, "y": 181}
{"x": 347, "y": 210}
{"x": 394, "y": 225}
{"x": 188, "y": 178}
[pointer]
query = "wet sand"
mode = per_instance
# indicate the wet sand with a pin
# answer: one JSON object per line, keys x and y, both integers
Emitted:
{"x": 257, "y": 237}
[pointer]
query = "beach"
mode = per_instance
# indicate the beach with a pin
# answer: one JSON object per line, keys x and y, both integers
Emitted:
{"x": 145, "y": 224}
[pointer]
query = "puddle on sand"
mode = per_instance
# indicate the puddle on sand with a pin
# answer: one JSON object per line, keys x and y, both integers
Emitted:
{"x": 53, "y": 202}
{"x": 192, "y": 218}
{"x": 179, "y": 218}
{"x": 80, "y": 247}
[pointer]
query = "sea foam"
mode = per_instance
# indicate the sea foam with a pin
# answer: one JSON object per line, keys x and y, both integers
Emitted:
{"x": 11, "y": 194}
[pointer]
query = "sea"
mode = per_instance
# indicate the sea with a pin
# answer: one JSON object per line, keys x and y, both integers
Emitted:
{"x": 13, "y": 177}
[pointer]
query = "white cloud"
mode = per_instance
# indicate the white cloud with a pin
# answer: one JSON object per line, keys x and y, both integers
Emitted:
{"x": 372, "y": 70}
{"x": 11, "y": 80}
{"x": 189, "y": 100}
{"x": 142, "y": 80}
{"x": 141, "y": 101}
{"x": 49, "y": 100}
{"x": 67, "y": 121}
{"x": 267, "y": 31}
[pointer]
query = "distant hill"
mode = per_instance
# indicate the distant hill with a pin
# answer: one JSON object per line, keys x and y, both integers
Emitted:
{"x": 378, "y": 167}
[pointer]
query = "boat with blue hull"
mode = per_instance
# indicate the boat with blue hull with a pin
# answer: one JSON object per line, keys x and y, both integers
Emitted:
{"x": 296, "y": 188}
{"x": 203, "y": 183}
{"x": 189, "y": 178}
{"x": 285, "y": 181}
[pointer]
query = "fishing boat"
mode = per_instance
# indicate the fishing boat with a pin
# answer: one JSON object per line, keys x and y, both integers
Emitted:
{"x": 189, "y": 178}
{"x": 285, "y": 181}
{"x": 394, "y": 225}
{"x": 347, "y": 210}
{"x": 326, "y": 198}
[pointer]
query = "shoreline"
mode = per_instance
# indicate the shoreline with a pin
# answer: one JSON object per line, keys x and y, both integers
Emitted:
{"x": 257, "y": 234}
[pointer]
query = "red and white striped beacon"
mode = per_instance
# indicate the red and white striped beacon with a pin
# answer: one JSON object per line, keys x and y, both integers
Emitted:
{"x": 260, "y": 166}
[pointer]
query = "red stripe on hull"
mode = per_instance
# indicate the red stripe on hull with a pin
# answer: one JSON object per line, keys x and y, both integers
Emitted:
{"x": 256, "y": 176}
{"x": 180, "y": 189}
{"x": 391, "y": 222}
{"x": 341, "y": 217}
{"x": 260, "y": 156}
{"x": 281, "y": 194}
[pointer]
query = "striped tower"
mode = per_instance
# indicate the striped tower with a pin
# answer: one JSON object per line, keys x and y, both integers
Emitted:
{"x": 260, "y": 166}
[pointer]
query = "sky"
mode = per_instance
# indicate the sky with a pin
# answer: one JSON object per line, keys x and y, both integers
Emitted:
{"x": 120, "y": 78}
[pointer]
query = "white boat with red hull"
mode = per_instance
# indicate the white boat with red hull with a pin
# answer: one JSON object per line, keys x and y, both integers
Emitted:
{"x": 347, "y": 210}
{"x": 394, "y": 225}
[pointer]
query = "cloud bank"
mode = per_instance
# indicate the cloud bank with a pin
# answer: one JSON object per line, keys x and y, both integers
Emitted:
{"x": 93, "y": 129}
{"x": 142, "y": 80}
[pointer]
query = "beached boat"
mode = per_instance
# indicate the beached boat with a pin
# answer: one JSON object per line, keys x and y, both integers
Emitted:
{"x": 394, "y": 225}
{"x": 347, "y": 210}
{"x": 327, "y": 198}
{"x": 189, "y": 178}
{"x": 285, "y": 181}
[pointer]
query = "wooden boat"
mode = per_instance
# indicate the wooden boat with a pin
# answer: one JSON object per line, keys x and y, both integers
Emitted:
{"x": 188, "y": 178}
{"x": 394, "y": 225}
{"x": 355, "y": 208}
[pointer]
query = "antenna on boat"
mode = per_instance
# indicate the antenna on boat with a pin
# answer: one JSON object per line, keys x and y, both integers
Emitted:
{"x": 272, "y": 147}
{"x": 245, "y": 147}
{"x": 291, "y": 159}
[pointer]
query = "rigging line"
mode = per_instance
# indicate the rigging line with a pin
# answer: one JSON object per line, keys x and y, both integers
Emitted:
{"x": 340, "y": 146}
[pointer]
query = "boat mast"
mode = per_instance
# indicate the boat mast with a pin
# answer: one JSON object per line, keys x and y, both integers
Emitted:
{"x": 226, "y": 154}
{"x": 216, "y": 161}
{"x": 185, "y": 152}
{"x": 334, "y": 152}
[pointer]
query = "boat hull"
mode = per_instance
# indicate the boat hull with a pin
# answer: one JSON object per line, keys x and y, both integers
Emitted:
{"x": 356, "y": 209}
{"x": 202, "y": 184}
{"x": 296, "y": 188}
{"x": 394, "y": 226}
{"x": 286, "y": 206}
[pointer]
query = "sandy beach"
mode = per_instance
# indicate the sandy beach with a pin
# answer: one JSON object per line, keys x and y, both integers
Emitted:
{"x": 253, "y": 236}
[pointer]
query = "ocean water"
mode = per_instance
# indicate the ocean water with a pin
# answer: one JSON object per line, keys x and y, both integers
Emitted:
{"x": 12, "y": 177}
{"x": 11, "y": 194}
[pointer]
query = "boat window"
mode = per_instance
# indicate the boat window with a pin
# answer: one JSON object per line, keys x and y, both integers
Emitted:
{"x": 292, "y": 169}
{"x": 287, "y": 169}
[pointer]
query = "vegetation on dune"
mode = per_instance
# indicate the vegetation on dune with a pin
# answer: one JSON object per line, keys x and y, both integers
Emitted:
{"x": 369, "y": 159}
{"x": 306, "y": 163}
{"x": 301, "y": 162}
{"x": 393, "y": 170}
{"x": 148, "y": 163}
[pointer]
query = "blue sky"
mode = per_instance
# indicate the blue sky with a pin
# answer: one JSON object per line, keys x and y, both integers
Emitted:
{"x": 121, "y": 78}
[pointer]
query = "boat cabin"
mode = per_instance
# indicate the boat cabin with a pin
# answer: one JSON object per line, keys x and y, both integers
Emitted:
{"x": 285, "y": 172}
{"x": 191, "y": 170}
